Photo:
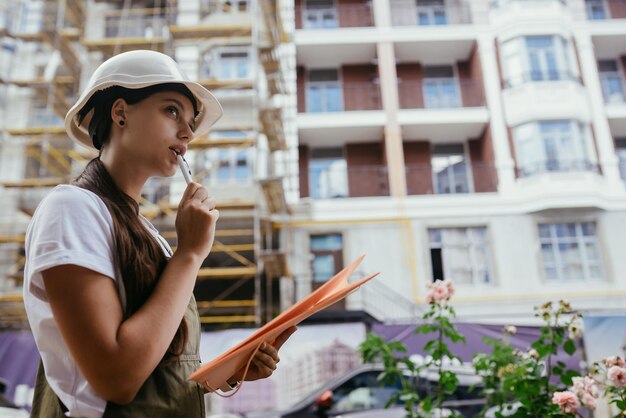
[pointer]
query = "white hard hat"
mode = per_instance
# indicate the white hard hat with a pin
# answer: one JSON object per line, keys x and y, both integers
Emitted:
{"x": 135, "y": 70}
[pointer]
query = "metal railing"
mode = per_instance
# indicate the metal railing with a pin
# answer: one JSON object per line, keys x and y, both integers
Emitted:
{"x": 343, "y": 16}
{"x": 339, "y": 97}
{"x": 536, "y": 76}
{"x": 384, "y": 303}
{"x": 556, "y": 166}
{"x": 441, "y": 93}
{"x": 135, "y": 23}
{"x": 332, "y": 182}
{"x": 612, "y": 87}
{"x": 497, "y": 4}
{"x": 412, "y": 14}
{"x": 470, "y": 177}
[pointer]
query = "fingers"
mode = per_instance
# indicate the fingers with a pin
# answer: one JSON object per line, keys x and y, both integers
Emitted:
{"x": 280, "y": 340}
{"x": 267, "y": 357}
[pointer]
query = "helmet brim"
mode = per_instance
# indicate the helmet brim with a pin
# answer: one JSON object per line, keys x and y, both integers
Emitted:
{"x": 210, "y": 110}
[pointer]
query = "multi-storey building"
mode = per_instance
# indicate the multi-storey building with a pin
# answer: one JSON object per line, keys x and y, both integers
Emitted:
{"x": 480, "y": 141}
{"x": 50, "y": 49}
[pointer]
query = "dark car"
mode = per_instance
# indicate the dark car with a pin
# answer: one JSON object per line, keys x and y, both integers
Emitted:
{"x": 359, "y": 392}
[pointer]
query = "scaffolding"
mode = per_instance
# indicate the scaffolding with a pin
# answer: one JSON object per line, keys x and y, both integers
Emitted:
{"x": 231, "y": 47}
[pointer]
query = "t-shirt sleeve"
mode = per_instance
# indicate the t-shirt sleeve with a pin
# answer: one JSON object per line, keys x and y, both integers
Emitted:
{"x": 72, "y": 226}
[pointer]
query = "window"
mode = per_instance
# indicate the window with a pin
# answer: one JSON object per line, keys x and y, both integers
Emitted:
{"x": 431, "y": 12}
{"x": 595, "y": 9}
{"x": 226, "y": 64}
{"x": 551, "y": 146}
{"x": 328, "y": 174}
{"x": 612, "y": 81}
{"x": 449, "y": 167}
{"x": 320, "y": 14}
{"x": 538, "y": 58}
{"x": 364, "y": 391}
{"x": 460, "y": 254}
{"x": 620, "y": 149}
{"x": 323, "y": 91}
{"x": 327, "y": 256}
{"x": 225, "y": 165}
{"x": 441, "y": 89}
{"x": 570, "y": 251}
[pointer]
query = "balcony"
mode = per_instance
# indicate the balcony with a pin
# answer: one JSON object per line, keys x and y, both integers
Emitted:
{"x": 333, "y": 180}
{"x": 432, "y": 14}
{"x": 613, "y": 87}
{"x": 343, "y": 16}
{"x": 462, "y": 178}
{"x": 133, "y": 29}
{"x": 512, "y": 12}
{"x": 441, "y": 93}
{"x": 556, "y": 166}
{"x": 340, "y": 97}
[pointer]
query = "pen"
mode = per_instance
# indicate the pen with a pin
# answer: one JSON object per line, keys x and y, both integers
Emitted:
{"x": 184, "y": 167}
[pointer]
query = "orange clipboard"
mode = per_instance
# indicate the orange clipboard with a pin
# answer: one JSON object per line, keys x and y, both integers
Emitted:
{"x": 216, "y": 372}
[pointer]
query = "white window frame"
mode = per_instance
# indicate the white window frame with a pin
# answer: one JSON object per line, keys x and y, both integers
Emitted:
{"x": 431, "y": 10}
{"x": 619, "y": 73}
{"x": 529, "y": 136}
{"x": 472, "y": 248}
{"x": 323, "y": 84}
{"x": 345, "y": 180}
{"x": 468, "y": 169}
{"x": 580, "y": 240}
{"x": 217, "y": 61}
{"x": 605, "y": 9}
{"x": 516, "y": 65}
{"x": 457, "y": 85}
{"x": 319, "y": 14}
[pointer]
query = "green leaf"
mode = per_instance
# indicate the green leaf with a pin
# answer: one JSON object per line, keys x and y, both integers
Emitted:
{"x": 569, "y": 347}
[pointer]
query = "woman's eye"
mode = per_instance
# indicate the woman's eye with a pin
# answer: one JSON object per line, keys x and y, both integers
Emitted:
{"x": 173, "y": 110}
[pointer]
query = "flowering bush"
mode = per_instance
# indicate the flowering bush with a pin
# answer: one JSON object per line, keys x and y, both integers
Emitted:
{"x": 437, "y": 321}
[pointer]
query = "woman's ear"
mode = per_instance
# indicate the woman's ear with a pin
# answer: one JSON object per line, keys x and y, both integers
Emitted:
{"x": 118, "y": 112}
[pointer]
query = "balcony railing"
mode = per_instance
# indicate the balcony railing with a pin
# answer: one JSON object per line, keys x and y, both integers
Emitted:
{"x": 372, "y": 180}
{"x": 556, "y": 166}
{"x": 333, "y": 182}
{"x": 343, "y": 16}
{"x": 441, "y": 93}
{"x": 337, "y": 97}
{"x": 497, "y": 4}
{"x": 136, "y": 23}
{"x": 470, "y": 177}
{"x": 605, "y": 9}
{"x": 537, "y": 76}
{"x": 412, "y": 14}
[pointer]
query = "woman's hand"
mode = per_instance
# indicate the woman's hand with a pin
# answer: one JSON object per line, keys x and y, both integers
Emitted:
{"x": 195, "y": 221}
{"x": 265, "y": 360}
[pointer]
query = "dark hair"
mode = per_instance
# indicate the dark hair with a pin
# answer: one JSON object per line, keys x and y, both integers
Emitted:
{"x": 139, "y": 256}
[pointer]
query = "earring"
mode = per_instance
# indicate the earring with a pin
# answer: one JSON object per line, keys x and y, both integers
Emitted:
{"x": 122, "y": 123}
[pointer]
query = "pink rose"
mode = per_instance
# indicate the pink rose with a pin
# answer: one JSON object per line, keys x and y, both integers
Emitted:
{"x": 567, "y": 401}
{"x": 589, "y": 401}
{"x": 450, "y": 287}
{"x": 617, "y": 376}
{"x": 614, "y": 361}
{"x": 440, "y": 291}
{"x": 583, "y": 385}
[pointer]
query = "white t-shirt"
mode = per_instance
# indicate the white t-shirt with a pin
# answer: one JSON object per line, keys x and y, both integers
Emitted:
{"x": 70, "y": 226}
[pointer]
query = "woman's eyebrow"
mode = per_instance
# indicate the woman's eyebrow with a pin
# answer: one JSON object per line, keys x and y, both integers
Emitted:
{"x": 192, "y": 122}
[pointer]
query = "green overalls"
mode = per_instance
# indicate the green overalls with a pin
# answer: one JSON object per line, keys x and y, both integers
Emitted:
{"x": 166, "y": 394}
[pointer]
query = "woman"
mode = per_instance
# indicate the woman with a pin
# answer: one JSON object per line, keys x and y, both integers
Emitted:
{"x": 110, "y": 306}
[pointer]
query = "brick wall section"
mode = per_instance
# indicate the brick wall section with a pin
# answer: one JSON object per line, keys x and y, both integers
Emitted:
{"x": 303, "y": 163}
{"x": 577, "y": 56}
{"x": 301, "y": 83}
{"x": 354, "y": 13}
{"x": 482, "y": 163}
{"x": 500, "y": 70}
{"x": 367, "y": 175}
{"x": 624, "y": 65}
{"x": 617, "y": 9}
{"x": 509, "y": 132}
{"x": 410, "y": 92}
{"x": 471, "y": 80}
{"x": 298, "y": 8}
{"x": 419, "y": 178}
{"x": 595, "y": 148}
{"x": 359, "y": 90}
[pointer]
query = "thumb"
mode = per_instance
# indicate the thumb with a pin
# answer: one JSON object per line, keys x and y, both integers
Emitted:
{"x": 280, "y": 340}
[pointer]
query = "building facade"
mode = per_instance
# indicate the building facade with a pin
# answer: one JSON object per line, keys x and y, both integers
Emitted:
{"x": 478, "y": 141}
